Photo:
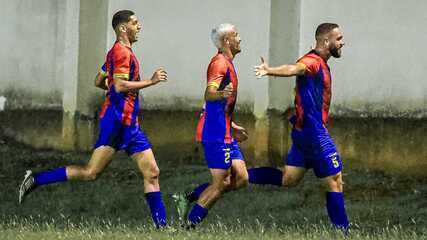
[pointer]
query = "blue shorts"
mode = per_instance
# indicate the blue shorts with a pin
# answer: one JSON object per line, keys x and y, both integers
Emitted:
{"x": 220, "y": 155}
{"x": 121, "y": 137}
{"x": 314, "y": 149}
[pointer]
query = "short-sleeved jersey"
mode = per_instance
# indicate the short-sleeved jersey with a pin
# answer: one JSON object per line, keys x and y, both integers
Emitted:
{"x": 313, "y": 92}
{"x": 121, "y": 62}
{"x": 215, "y": 120}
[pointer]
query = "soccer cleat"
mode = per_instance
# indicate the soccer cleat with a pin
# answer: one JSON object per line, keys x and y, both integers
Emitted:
{"x": 182, "y": 205}
{"x": 27, "y": 185}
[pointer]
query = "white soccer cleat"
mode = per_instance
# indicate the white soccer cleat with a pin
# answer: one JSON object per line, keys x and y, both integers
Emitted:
{"x": 27, "y": 185}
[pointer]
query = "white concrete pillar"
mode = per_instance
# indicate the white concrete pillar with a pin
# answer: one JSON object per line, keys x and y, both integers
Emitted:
{"x": 273, "y": 96}
{"x": 83, "y": 46}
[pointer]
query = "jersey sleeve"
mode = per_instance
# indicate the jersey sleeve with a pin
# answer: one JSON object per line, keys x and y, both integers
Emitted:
{"x": 121, "y": 63}
{"x": 103, "y": 70}
{"x": 216, "y": 72}
{"x": 312, "y": 65}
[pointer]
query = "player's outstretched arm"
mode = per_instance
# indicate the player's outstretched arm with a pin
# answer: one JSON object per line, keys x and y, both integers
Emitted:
{"x": 286, "y": 70}
{"x": 123, "y": 85}
{"x": 213, "y": 94}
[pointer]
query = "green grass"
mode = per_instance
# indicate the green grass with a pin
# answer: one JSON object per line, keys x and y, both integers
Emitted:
{"x": 380, "y": 206}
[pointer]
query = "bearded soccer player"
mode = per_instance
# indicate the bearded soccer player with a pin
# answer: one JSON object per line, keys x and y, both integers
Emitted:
{"x": 119, "y": 125}
{"x": 216, "y": 128}
{"x": 312, "y": 145}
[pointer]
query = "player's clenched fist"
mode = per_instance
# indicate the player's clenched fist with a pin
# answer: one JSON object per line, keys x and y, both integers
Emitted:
{"x": 159, "y": 75}
{"x": 228, "y": 91}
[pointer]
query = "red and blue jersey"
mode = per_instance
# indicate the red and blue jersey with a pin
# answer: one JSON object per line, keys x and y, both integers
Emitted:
{"x": 121, "y": 62}
{"x": 215, "y": 120}
{"x": 313, "y": 92}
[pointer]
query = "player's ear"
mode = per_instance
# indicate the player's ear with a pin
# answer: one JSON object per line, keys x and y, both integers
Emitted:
{"x": 122, "y": 28}
{"x": 326, "y": 41}
{"x": 225, "y": 40}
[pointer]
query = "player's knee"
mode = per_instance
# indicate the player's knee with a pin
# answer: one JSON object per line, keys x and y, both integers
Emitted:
{"x": 225, "y": 184}
{"x": 153, "y": 174}
{"x": 90, "y": 174}
{"x": 335, "y": 183}
{"x": 290, "y": 181}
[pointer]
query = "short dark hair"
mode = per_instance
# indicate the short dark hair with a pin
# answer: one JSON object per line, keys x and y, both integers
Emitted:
{"x": 325, "y": 28}
{"x": 121, "y": 16}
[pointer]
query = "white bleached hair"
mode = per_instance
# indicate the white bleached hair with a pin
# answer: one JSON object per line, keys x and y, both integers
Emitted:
{"x": 218, "y": 33}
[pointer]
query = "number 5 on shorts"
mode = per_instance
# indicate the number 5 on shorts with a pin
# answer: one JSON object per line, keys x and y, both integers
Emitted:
{"x": 334, "y": 158}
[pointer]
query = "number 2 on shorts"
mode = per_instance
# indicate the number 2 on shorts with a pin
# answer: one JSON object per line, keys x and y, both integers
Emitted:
{"x": 226, "y": 155}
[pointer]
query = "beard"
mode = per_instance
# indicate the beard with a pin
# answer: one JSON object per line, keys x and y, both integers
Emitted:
{"x": 133, "y": 39}
{"x": 335, "y": 52}
{"x": 236, "y": 50}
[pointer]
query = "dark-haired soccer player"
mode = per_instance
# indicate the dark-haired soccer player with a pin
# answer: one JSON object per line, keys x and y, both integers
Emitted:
{"x": 119, "y": 126}
{"x": 215, "y": 129}
{"x": 312, "y": 145}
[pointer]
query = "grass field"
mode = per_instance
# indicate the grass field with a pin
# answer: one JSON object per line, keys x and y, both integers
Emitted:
{"x": 380, "y": 206}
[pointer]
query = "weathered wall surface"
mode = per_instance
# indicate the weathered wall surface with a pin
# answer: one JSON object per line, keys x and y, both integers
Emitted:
{"x": 29, "y": 51}
{"x": 176, "y": 35}
{"x": 381, "y": 72}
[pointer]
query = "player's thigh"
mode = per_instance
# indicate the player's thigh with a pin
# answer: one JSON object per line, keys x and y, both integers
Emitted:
{"x": 326, "y": 160}
{"x": 146, "y": 163}
{"x": 135, "y": 141}
{"x": 292, "y": 175}
{"x": 100, "y": 158}
{"x": 217, "y": 155}
{"x": 333, "y": 183}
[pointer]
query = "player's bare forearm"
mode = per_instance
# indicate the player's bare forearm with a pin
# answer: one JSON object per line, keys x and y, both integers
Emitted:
{"x": 122, "y": 85}
{"x": 286, "y": 70}
{"x": 213, "y": 94}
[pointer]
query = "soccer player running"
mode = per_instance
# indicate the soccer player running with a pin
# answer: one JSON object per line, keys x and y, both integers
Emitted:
{"x": 215, "y": 130}
{"x": 119, "y": 126}
{"x": 312, "y": 145}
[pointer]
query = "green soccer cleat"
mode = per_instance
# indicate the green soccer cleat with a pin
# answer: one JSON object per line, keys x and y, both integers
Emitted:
{"x": 27, "y": 186}
{"x": 182, "y": 205}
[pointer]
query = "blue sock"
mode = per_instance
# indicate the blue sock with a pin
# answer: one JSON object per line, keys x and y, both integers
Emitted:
{"x": 265, "y": 175}
{"x": 336, "y": 209}
{"x": 197, "y": 214}
{"x": 157, "y": 208}
{"x": 53, "y": 176}
{"x": 195, "y": 194}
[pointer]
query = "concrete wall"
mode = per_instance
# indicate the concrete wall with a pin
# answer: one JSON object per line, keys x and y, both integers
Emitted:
{"x": 381, "y": 61}
{"x": 30, "y": 40}
{"x": 381, "y": 72}
{"x": 176, "y": 35}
